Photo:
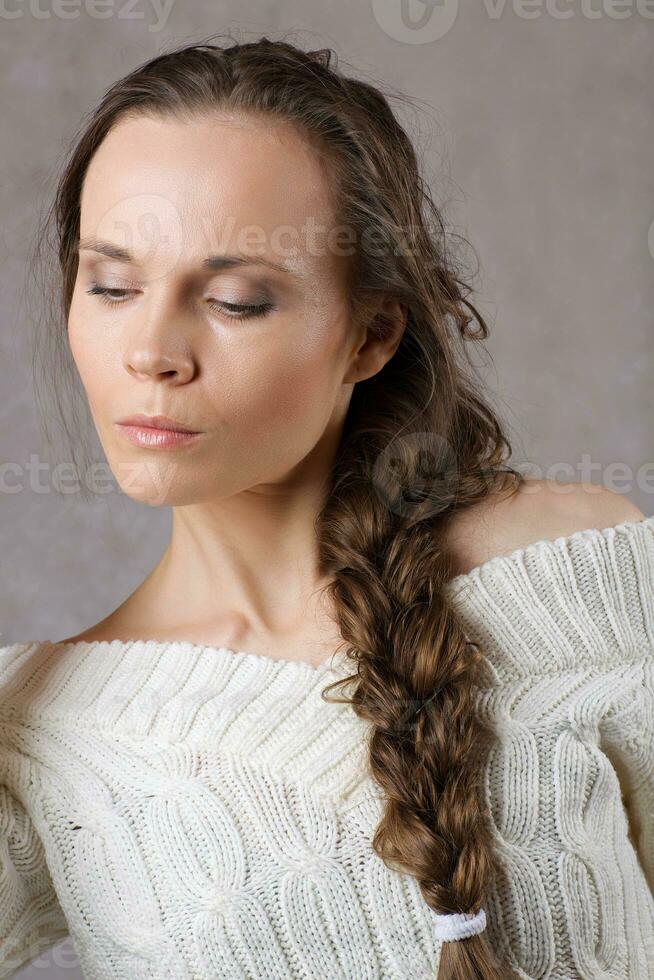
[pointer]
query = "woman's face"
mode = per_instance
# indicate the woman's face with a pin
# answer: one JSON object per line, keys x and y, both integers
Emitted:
{"x": 265, "y": 385}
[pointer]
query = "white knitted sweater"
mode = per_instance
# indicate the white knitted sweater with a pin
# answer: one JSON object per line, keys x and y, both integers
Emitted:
{"x": 194, "y": 812}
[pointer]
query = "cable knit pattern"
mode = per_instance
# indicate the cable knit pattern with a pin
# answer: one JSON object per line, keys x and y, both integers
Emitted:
{"x": 194, "y": 812}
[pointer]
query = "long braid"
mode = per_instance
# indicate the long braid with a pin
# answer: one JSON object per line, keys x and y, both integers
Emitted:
{"x": 416, "y": 680}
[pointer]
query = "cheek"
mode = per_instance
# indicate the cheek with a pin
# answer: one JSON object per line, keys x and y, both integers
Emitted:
{"x": 280, "y": 408}
{"x": 81, "y": 349}
{"x": 280, "y": 398}
{"x": 73, "y": 327}
{"x": 295, "y": 381}
{"x": 86, "y": 351}
{"x": 93, "y": 352}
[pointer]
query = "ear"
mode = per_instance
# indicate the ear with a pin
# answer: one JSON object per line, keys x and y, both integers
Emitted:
{"x": 381, "y": 324}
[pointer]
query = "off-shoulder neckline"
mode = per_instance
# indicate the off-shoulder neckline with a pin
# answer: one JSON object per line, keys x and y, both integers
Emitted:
{"x": 544, "y": 544}
{"x": 274, "y": 664}
{"x": 454, "y": 587}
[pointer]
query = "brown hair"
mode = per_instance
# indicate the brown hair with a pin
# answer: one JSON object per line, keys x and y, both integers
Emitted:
{"x": 419, "y": 443}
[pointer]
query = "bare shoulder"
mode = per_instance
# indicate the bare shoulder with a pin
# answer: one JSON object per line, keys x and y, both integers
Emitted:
{"x": 107, "y": 629}
{"x": 541, "y": 510}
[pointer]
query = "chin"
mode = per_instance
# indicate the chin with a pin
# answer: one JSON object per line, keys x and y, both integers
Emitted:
{"x": 156, "y": 482}
{"x": 161, "y": 483}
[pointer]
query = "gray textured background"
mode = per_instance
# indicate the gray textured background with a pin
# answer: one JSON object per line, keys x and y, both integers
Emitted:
{"x": 536, "y": 128}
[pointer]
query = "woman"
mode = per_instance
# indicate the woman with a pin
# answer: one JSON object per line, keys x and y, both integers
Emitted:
{"x": 384, "y": 709}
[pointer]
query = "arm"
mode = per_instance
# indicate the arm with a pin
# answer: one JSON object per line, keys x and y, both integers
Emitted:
{"x": 31, "y": 919}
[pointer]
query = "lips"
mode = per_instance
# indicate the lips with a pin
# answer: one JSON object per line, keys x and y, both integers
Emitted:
{"x": 157, "y": 422}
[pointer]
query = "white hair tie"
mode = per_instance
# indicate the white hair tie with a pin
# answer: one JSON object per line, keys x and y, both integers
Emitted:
{"x": 459, "y": 925}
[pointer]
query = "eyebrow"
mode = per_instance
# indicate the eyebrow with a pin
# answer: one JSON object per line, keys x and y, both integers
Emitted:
{"x": 211, "y": 262}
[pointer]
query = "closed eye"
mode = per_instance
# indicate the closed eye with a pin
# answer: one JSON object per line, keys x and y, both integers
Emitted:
{"x": 234, "y": 311}
{"x": 106, "y": 294}
{"x": 242, "y": 311}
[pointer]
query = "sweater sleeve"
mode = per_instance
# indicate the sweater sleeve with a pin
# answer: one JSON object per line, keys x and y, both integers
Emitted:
{"x": 627, "y": 739}
{"x": 31, "y": 918}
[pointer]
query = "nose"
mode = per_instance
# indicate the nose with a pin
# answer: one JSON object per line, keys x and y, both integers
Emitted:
{"x": 157, "y": 347}
{"x": 144, "y": 362}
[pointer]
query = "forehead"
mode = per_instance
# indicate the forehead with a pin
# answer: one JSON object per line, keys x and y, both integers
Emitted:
{"x": 207, "y": 184}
